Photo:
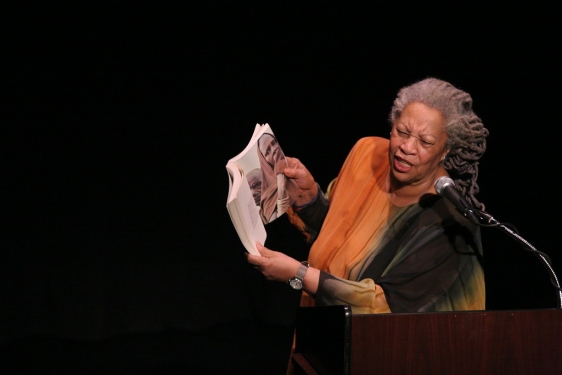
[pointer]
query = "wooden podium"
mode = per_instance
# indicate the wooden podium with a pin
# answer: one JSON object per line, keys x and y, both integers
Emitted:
{"x": 331, "y": 340}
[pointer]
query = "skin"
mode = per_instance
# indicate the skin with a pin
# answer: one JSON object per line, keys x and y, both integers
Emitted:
{"x": 304, "y": 180}
{"x": 254, "y": 180}
{"x": 417, "y": 147}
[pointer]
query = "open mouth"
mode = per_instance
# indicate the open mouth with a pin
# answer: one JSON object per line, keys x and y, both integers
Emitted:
{"x": 402, "y": 165}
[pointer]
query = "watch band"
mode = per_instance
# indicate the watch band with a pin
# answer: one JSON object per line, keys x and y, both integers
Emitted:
{"x": 297, "y": 281}
{"x": 302, "y": 270}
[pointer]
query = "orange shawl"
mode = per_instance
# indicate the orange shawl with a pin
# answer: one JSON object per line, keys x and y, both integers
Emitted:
{"x": 359, "y": 209}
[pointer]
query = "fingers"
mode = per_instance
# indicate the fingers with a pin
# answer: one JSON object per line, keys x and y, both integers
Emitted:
{"x": 290, "y": 172}
{"x": 275, "y": 266}
{"x": 298, "y": 173}
{"x": 293, "y": 162}
{"x": 295, "y": 168}
{"x": 255, "y": 261}
{"x": 264, "y": 251}
{"x": 259, "y": 261}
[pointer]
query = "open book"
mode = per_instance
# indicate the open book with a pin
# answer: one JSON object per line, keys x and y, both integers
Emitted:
{"x": 258, "y": 192}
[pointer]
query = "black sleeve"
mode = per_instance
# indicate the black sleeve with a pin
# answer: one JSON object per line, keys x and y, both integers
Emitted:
{"x": 313, "y": 215}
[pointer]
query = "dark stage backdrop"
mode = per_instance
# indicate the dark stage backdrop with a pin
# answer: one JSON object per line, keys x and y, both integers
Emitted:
{"x": 119, "y": 120}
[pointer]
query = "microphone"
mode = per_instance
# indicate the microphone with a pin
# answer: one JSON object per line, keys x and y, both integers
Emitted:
{"x": 446, "y": 187}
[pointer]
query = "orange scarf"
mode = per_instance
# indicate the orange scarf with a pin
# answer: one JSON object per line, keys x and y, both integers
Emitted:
{"x": 359, "y": 209}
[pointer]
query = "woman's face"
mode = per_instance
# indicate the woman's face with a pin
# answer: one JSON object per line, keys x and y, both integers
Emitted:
{"x": 269, "y": 148}
{"x": 417, "y": 145}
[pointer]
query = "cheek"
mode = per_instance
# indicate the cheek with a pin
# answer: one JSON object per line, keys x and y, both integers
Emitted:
{"x": 430, "y": 160}
{"x": 392, "y": 146}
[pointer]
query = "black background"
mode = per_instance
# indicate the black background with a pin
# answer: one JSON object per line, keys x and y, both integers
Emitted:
{"x": 119, "y": 118}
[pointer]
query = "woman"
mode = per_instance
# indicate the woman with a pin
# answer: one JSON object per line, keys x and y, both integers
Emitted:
{"x": 382, "y": 239}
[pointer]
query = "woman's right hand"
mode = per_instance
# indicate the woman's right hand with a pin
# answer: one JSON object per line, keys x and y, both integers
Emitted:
{"x": 297, "y": 172}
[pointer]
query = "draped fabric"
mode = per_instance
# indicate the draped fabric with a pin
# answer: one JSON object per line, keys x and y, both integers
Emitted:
{"x": 271, "y": 203}
{"x": 425, "y": 257}
{"x": 268, "y": 198}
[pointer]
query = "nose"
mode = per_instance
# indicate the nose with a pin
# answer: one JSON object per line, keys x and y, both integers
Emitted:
{"x": 408, "y": 145}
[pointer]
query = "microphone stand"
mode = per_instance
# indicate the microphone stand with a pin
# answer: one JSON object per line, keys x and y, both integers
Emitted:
{"x": 487, "y": 220}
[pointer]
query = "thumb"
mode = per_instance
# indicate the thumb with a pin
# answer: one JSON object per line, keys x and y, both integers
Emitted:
{"x": 264, "y": 251}
{"x": 290, "y": 172}
{"x": 259, "y": 246}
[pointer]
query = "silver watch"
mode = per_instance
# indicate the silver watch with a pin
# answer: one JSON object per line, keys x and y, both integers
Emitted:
{"x": 297, "y": 281}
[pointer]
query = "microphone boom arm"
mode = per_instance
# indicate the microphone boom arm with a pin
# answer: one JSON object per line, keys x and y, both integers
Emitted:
{"x": 490, "y": 221}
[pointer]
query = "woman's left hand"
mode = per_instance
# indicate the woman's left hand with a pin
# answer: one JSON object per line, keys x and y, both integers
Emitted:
{"x": 274, "y": 265}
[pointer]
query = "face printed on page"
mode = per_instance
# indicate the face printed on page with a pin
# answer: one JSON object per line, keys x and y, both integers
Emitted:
{"x": 269, "y": 147}
{"x": 254, "y": 180}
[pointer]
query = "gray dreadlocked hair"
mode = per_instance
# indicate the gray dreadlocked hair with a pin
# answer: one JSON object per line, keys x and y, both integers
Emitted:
{"x": 466, "y": 135}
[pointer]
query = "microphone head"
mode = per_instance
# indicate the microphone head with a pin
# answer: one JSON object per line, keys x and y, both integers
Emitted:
{"x": 443, "y": 182}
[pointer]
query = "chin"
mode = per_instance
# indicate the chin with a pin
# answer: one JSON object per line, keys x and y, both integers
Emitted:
{"x": 397, "y": 175}
{"x": 401, "y": 178}
{"x": 397, "y": 180}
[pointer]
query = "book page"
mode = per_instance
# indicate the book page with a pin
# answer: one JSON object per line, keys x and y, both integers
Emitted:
{"x": 261, "y": 164}
{"x": 244, "y": 212}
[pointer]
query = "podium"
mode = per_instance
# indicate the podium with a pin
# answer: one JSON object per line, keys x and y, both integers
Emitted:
{"x": 331, "y": 340}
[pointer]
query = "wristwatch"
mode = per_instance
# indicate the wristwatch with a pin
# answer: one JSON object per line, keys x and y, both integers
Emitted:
{"x": 297, "y": 281}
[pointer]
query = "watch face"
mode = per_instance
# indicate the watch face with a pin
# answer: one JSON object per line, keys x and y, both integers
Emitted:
{"x": 295, "y": 283}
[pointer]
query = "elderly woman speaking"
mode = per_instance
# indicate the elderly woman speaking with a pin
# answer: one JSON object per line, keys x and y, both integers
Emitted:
{"x": 382, "y": 239}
